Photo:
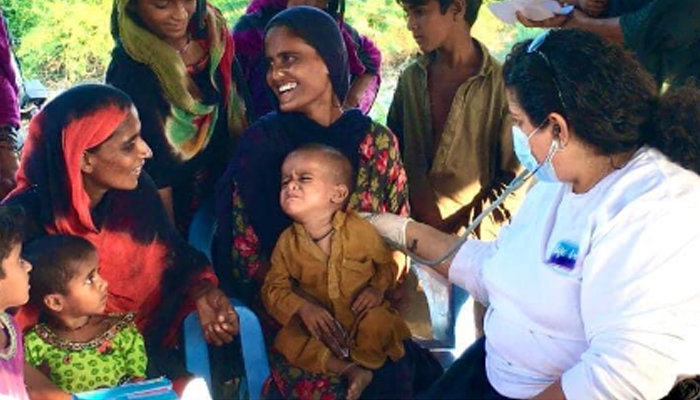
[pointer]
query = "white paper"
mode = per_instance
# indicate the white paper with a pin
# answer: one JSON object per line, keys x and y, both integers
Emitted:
{"x": 536, "y": 10}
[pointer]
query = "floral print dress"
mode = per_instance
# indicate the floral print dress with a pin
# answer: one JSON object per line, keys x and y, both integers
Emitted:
{"x": 380, "y": 187}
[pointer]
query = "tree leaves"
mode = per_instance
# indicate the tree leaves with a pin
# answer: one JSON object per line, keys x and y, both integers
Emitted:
{"x": 63, "y": 42}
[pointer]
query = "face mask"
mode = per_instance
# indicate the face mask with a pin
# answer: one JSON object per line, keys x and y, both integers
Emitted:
{"x": 521, "y": 144}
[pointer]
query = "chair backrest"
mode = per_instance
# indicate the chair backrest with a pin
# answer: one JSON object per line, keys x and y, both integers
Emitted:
{"x": 201, "y": 236}
{"x": 202, "y": 228}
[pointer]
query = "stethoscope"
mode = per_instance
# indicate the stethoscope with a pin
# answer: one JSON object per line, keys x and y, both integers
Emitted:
{"x": 514, "y": 185}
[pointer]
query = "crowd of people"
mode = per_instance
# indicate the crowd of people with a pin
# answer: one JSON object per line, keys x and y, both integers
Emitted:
{"x": 583, "y": 278}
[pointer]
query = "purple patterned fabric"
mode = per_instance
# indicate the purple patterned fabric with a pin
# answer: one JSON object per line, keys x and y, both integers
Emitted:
{"x": 12, "y": 370}
{"x": 257, "y": 5}
{"x": 9, "y": 107}
{"x": 249, "y": 35}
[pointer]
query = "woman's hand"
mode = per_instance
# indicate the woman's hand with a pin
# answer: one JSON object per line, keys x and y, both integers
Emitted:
{"x": 575, "y": 19}
{"x": 357, "y": 90}
{"x": 218, "y": 319}
{"x": 368, "y": 299}
{"x": 557, "y": 21}
{"x": 607, "y": 28}
{"x": 390, "y": 226}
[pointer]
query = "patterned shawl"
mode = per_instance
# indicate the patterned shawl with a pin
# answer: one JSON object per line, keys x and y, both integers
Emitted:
{"x": 192, "y": 122}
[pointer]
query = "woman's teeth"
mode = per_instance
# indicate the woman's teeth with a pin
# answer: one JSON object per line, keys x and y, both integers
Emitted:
{"x": 287, "y": 87}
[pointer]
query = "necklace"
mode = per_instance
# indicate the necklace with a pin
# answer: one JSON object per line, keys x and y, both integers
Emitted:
{"x": 184, "y": 47}
{"x": 9, "y": 352}
{"x": 325, "y": 235}
{"x": 77, "y": 328}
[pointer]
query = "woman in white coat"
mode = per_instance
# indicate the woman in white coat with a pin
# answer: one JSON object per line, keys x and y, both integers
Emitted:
{"x": 593, "y": 288}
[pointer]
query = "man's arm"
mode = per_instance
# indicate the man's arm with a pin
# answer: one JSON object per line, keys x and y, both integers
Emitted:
{"x": 357, "y": 91}
{"x": 424, "y": 205}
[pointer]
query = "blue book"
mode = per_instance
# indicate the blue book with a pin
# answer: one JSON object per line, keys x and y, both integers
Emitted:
{"x": 153, "y": 389}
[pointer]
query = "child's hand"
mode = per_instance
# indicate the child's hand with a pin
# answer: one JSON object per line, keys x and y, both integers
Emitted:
{"x": 325, "y": 328}
{"x": 399, "y": 297}
{"x": 317, "y": 320}
{"x": 593, "y": 7}
{"x": 368, "y": 299}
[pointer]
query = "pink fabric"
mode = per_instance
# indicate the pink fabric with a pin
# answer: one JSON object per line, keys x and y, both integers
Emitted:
{"x": 257, "y": 5}
{"x": 357, "y": 66}
{"x": 12, "y": 370}
{"x": 9, "y": 107}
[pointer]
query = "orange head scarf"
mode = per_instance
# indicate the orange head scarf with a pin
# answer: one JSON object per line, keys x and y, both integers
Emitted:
{"x": 77, "y": 136}
{"x": 148, "y": 265}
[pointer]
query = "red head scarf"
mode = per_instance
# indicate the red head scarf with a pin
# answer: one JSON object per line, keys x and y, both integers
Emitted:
{"x": 148, "y": 266}
{"x": 78, "y": 136}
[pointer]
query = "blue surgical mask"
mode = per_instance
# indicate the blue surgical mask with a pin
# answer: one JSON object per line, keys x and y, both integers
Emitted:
{"x": 521, "y": 144}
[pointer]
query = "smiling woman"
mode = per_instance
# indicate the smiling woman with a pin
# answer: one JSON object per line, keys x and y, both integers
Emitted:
{"x": 175, "y": 59}
{"x": 116, "y": 163}
{"x": 81, "y": 175}
{"x": 363, "y": 57}
{"x": 168, "y": 20}
{"x": 308, "y": 74}
{"x": 293, "y": 76}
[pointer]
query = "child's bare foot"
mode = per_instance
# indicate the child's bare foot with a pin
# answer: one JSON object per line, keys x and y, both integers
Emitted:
{"x": 358, "y": 380}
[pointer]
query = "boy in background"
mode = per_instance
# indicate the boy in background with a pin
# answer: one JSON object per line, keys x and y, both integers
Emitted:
{"x": 451, "y": 117}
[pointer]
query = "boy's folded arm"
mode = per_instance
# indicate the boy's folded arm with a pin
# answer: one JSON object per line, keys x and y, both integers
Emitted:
{"x": 385, "y": 275}
{"x": 386, "y": 271}
{"x": 277, "y": 293}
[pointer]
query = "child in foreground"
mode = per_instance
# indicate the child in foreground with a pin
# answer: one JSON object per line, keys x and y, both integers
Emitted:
{"x": 14, "y": 291}
{"x": 329, "y": 274}
{"x": 76, "y": 345}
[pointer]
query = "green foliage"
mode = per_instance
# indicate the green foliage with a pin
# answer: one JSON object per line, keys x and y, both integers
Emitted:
{"x": 63, "y": 42}
{"x": 21, "y": 15}
{"x": 383, "y": 21}
{"x": 70, "y": 42}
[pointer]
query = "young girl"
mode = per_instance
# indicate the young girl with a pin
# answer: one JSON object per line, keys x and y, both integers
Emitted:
{"x": 14, "y": 291}
{"x": 78, "y": 346}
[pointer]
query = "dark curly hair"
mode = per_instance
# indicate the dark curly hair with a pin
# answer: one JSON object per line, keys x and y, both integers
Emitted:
{"x": 54, "y": 260}
{"x": 11, "y": 231}
{"x": 470, "y": 14}
{"x": 611, "y": 102}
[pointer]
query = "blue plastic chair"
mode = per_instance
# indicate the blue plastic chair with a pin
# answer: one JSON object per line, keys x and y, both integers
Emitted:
{"x": 257, "y": 369}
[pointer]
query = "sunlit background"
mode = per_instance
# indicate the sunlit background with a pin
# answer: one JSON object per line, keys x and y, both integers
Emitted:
{"x": 63, "y": 42}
